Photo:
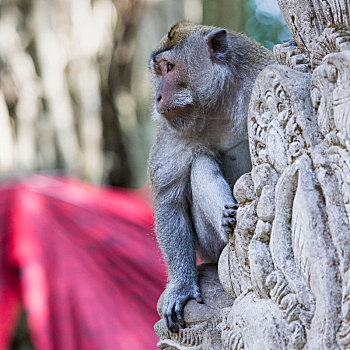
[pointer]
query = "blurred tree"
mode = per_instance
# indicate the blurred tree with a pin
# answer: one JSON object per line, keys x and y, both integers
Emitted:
{"x": 115, "y": 91}
{"x": 70, "y": 82}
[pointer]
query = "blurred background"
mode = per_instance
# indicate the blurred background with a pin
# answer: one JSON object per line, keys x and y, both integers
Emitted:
{"x": 75, "y": 92}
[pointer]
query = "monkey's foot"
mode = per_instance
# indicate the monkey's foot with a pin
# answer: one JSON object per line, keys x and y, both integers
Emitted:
{"x": 175, "y": 299}
{"x": 202, "y": 320}
{"x": 229, "y": 217}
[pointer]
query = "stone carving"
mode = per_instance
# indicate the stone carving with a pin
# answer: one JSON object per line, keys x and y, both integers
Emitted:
{"x": 286, "y": 268}
{"x": 331, "y": 99}
{"x": 289, "y": 54}
{"x": 333, "y": 39}
{"x": 319, "y": 27}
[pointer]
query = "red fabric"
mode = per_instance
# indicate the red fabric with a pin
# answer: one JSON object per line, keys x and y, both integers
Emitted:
{"x": 83, "y": 261}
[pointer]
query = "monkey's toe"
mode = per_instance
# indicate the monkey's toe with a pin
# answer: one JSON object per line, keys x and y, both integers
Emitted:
{"x": 173, "y": 309}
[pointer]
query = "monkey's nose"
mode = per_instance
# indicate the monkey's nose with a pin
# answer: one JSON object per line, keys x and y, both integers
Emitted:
{"x": 159, "y": 103}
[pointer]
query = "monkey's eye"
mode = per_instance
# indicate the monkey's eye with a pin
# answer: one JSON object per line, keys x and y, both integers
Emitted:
{"x": 169, "y": 67}
{"x": 157, "y": 69}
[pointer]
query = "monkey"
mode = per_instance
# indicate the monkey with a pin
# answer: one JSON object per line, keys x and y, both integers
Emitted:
{"x": 203, "y": 77}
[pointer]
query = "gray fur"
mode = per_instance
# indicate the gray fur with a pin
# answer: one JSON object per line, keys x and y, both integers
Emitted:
{"x": 197, "y": 158}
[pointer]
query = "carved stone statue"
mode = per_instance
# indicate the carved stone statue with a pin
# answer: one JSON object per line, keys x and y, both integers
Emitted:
{"x": 286, "y": 268}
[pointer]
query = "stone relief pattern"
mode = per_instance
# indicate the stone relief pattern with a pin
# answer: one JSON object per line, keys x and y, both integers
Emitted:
{"x": 301, "y": 179}
{"x": 333, "y": 39}
{"x": 276, "y": 141}
{"x": 330, "y": 91}
{"x": 297, "y": 236}
{"x": 289, "y": 54}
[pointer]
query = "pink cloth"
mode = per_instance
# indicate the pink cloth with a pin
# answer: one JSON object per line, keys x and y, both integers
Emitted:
{"x": 83, "y": 261}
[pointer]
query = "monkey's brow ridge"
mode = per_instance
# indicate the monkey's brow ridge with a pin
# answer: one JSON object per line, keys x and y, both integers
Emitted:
{"x": 156, "y": 53}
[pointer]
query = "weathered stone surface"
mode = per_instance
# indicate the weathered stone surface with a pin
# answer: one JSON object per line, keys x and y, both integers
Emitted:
{"x": 287, "y": 264}
{"x": 255, "y": 324}
{"x": 319, "y": 27}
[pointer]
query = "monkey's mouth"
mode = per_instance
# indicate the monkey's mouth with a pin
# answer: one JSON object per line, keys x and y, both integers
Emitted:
{"x": 176, "y": 111}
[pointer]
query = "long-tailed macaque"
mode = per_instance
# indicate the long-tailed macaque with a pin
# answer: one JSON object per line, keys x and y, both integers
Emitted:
{"x": 203, "y": 78}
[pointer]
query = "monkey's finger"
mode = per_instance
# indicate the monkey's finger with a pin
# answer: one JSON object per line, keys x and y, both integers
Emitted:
{"x": 231, "y": 206}
{"x": 168, "y": 317}
{"x": 229, "y": 213}
{"x": 173, "y": 327}
{"x": 228, "y": 222}
{"x": 226, "y": 213}
{"x": 232, "y": 212}
{"x": 168, "y": 322}
{"x": 179, "y": 314}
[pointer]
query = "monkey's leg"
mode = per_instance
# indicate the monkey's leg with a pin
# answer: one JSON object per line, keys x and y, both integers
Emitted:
{"x": 210, "y": 193}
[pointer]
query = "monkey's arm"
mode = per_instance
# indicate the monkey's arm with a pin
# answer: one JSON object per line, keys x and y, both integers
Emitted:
{"x": 175, "y": 235}
{"x": 211, "y": 191}
{"x": 170, "y": 176}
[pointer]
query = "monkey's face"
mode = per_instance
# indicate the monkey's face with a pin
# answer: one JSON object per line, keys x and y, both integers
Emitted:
{"x": 174, "y": 99}
{"x": 187, "y": 78}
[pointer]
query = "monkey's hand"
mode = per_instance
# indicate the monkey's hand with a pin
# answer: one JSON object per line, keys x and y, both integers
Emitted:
{"x": 175, "y": 300}
{"x": 229, "y": 217}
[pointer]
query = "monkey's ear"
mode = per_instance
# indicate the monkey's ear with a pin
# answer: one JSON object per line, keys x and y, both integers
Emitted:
{"x": 217, "y": 44}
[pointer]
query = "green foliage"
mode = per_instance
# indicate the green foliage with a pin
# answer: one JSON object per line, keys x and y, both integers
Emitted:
{"x": 265, "y": 24}
{"x": 259, "y": 19}
{"x": 21, "y": 340}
